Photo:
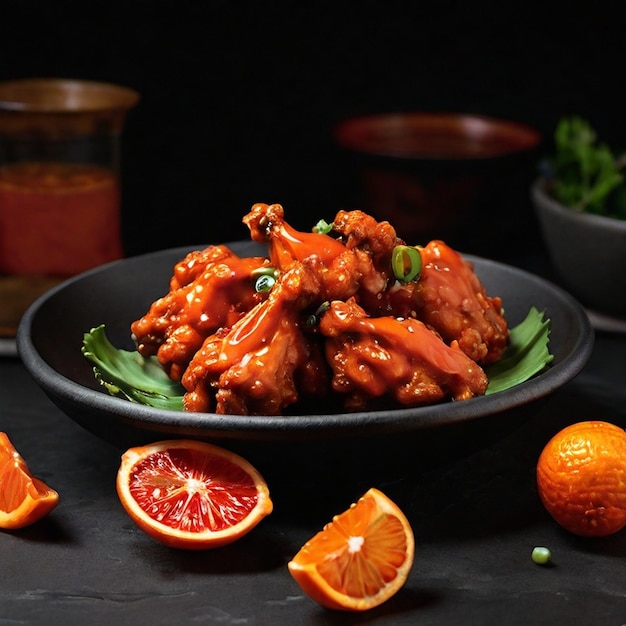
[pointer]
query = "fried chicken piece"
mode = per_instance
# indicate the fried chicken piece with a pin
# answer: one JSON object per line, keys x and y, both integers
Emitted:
{"x": 209, "y": 289}
{"x": 252, "y": 367}
{"x": 360, "y": 231}
{"x": 341, "y": 271}
{"x": 450, "y": 298}
{"x": 195, "y": 263}
{"x": 286, "y": 244}
{"x": 397, "y": 358}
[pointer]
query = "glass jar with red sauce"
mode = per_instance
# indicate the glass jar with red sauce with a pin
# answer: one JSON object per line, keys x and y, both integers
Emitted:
{"x": 59, "y": 184}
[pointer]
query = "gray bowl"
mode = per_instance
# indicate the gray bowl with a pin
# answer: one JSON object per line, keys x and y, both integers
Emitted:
{"x": 588, "y": 252}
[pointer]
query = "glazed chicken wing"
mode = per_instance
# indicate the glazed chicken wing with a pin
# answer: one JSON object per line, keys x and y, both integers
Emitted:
{"x": 209, "y": 289}
{"x": 398, "y": 358}
{"x": 286, "y": 244}
{"x": 252, "y": 367}
{"x": 450, "y": 298}
{"x": 361, "y": 232}
{"x": 341, "y": 270}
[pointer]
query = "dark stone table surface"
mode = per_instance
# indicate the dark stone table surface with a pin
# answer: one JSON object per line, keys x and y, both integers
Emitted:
{"x": 470, "y": 497}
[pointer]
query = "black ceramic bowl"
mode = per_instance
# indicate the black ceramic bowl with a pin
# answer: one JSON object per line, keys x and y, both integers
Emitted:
{"x": 50, "y": 337}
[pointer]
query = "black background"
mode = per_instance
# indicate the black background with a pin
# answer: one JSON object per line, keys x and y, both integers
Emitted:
{"x": 238, "y": 98}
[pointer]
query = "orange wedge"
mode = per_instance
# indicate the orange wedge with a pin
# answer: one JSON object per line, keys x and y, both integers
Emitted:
{"x": 190, "y": 494}
{"x": 360, "y": 559}
{"x": 24, "y": 499}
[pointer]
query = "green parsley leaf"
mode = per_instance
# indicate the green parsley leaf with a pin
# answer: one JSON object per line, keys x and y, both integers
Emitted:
{"x": 527, "y": 354}
{"x": 584, "y": 174}
{"x": 129, "y": 375}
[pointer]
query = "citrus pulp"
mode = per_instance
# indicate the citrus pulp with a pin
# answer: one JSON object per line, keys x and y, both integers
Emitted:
{"x": 24, "y": 499}
{"x": 190, "y": 494}
{"x": 360, "y": 559}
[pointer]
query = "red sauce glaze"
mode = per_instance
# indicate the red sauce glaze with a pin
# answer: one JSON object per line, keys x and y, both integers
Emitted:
{"x": 371, "y": 357}
{"x": 266, "y": 224}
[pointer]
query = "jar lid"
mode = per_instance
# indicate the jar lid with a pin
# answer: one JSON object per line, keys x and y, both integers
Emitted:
{"x": 57, "y": 108}
{"x": 59, "y": 95}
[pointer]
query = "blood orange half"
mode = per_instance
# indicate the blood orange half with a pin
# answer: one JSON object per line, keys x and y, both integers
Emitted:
{"x": 190, "y": 494}
{"x": 24, "y": 499}
{"x": 360, "y": 559}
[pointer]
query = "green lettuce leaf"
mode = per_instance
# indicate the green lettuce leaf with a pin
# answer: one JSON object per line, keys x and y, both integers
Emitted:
{"x": 527, "y": 354}
{"x": 139, "y": 379}
{"x": 129, "y": 375}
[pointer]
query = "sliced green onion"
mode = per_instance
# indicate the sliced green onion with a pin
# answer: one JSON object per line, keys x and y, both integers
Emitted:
{"x": 264, "y": 283}
{"x": 264, "y": 270}
{"x": 266, "y": 277}
{"x": 313, "y": 319}
{"x": 541, "y": 555}
{"x": 323, "y": 227}
{"x": 406, "y": 263}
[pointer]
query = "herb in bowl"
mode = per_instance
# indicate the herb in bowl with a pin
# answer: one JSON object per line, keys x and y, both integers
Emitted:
{"x": 584, "y": 174}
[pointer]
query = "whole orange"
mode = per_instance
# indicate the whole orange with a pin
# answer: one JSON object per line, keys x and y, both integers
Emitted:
{"x": 581, "y": 478}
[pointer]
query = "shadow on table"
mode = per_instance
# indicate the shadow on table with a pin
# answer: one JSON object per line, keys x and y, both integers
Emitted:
{"x": 459, "y": 480}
